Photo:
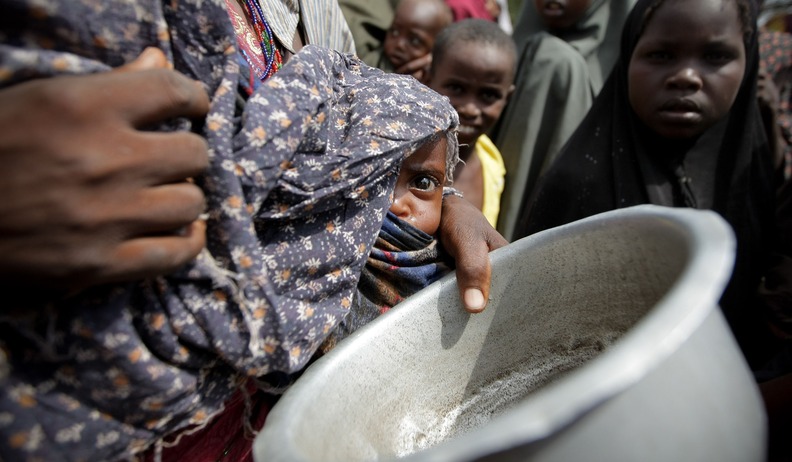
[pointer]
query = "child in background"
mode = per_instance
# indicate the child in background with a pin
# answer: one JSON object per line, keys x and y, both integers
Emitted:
{"x": 591, "y": 27}
{"x": 406, "y": 256}
{"x": 565, "y": 51}
{"x": 368, "y": 22}
{"x": 473, "y": 64}
{"x": 678, "y": 124}
{"x": 412, "y": 35}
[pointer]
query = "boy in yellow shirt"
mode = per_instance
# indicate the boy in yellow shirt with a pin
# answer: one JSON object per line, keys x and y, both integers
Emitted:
{"x": 473, "y": 64}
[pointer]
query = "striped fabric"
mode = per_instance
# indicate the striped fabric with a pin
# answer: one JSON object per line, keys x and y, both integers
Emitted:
{"x": 323, "y": 22}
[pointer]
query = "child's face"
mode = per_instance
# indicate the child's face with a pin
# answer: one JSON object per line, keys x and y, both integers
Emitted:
{"x": 418, "y": 197}
{"x": 477, "y": 78}
{"x": 561, "y": 14}
{"x": 687, "y": 67}
{"x": 412, "y": 33}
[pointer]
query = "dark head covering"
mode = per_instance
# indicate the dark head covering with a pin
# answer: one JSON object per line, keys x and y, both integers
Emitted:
{"x": 614, "y": 161}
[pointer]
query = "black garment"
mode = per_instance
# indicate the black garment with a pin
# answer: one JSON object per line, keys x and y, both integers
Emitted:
{"x": 614, "y": 161}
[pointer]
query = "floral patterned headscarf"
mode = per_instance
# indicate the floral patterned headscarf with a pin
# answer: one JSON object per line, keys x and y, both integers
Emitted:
{"x": 298, "y": 185}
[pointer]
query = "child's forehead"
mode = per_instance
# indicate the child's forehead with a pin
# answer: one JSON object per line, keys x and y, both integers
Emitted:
{"x": 430, "y": 155}
{"x": 420, "y": 8}
{"x": 691, "y": 15}
{"x": 695, "y": 9}
{"x": 471, "y": 49}
{"x": 436, "y": 147}
{"x": 418, "y": 20}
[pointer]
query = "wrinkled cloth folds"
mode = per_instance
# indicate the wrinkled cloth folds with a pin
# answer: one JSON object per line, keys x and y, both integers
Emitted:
{"x": 298, "y": 185}
{"x": 403, "y": 261}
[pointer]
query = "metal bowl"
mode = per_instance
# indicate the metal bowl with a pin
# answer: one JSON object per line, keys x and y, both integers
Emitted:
{"x": 602, "y": 341}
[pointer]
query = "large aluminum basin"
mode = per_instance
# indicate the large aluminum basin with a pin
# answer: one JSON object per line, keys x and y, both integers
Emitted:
{"x": 603, "y": 341}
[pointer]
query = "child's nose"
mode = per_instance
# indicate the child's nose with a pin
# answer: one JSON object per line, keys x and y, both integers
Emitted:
{"x": 401, "y": 208}
{"x": 686, "y": 78}
{"x": 468, "y": 110}
{"x": 401, "y": 43}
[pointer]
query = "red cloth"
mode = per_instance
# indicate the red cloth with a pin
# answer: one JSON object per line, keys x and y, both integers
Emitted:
{"x": 224, "y": 437}
{"x": 464, "y": 9}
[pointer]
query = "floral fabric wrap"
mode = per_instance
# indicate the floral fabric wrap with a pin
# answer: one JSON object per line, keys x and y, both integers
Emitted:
{"x": 298, "y": 185}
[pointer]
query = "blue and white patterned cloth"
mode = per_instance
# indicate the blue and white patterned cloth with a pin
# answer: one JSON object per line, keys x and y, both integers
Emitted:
{"x": 297, "y": 189}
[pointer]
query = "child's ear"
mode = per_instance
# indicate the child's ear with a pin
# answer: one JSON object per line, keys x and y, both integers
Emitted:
{"x": 510, "y": 92}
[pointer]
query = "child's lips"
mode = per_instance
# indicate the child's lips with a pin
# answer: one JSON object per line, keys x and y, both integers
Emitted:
{"x": 396, "y": 59}
{"x": 681, "y": 105}
{"x": 553, "y": 8}
{"x": 680, "y": 110}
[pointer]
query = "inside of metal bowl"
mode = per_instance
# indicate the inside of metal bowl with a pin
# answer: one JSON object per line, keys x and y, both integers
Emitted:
{"x": 558, "y": 307}
{"x": 427, "y": 373}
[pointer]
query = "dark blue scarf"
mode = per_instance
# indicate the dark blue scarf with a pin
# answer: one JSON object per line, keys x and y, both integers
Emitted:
{"x": 403, "y": 261}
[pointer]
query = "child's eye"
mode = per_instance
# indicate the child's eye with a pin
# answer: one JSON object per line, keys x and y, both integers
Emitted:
{"x": 424, "y": 183}
{"x": 658, "y": 55}
{"x": 453, "y": 89}
{"x": 719, "y": 57}
{"x": 490, "y": 96}
{"x": 416, "y": 41}
{"x": 393, "y": 32}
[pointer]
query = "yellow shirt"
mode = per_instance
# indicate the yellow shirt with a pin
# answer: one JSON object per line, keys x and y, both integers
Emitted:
{"x": 494, "y": 172}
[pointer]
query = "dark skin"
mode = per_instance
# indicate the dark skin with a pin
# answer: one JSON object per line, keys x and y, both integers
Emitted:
{"x": 412, "y": 33}
{"x": 59, "y": 232}
{"x": 67, "y": 236}
{"x": 417, "y": 67}
{"x": 468, "y": 238}
{"x": 464, "y": 231}
{"x": 478, "y": 90}
{"x": 470, "y": 180}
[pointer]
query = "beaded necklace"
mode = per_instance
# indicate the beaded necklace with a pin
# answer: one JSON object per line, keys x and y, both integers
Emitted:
{"x": 272, "y": 55}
